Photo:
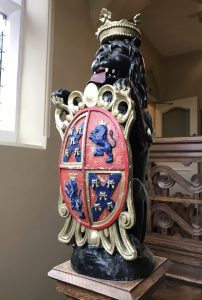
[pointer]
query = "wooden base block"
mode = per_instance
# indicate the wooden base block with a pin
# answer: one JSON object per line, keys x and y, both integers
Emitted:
{"x": 82, "y": 287}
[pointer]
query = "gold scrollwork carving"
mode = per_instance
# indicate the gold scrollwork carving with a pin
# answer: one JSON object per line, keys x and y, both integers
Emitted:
{"x": 125, "y": 221}
{"x": 105, "y": 92}
{"x": 107, "y": 239}
{"x": 94, "y": 97}
{"x": 67, "y": 234}
{"x": 127, "y": 218}
{"x": 90, "y": 96}
{"x": 75, "y": 101}
{"x": 123, "y": 243}
{"x": 81, "y": 234}
{"x": 62, "y": 209}
{"x": 122, "y": 117}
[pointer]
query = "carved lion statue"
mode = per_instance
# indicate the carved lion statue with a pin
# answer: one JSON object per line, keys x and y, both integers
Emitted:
{"x": 119, "y": 62}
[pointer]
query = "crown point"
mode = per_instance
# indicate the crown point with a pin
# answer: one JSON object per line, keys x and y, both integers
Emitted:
{"x": 105, "y": 15}
{"x": 137, "y": 20}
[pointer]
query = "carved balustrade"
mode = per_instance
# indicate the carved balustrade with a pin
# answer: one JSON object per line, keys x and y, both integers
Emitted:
{"x": 175, "y": 202}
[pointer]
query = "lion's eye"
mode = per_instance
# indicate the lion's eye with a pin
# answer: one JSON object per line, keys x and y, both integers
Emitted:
{"x": 102, "y": 49}
{"x": 115, "y": 48}
{"x": 121, "y": 49}
{"x": 99, "y": 51}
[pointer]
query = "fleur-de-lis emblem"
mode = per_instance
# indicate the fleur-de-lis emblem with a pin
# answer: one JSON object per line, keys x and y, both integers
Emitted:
{"x": 105, "y": 15}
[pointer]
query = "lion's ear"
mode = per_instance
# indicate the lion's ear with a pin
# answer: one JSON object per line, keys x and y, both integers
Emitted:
{"x": 136, "y": 41}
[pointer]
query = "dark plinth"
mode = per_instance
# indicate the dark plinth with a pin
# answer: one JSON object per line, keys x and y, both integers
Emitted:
{"x": 96, "y": 262}
{"x": 86, "y": 288}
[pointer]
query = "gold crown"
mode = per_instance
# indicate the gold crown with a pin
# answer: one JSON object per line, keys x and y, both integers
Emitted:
{"x": 122, "y": 28}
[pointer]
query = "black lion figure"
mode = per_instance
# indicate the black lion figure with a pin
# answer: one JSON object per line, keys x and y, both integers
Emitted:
{"x": 119, "y": 62}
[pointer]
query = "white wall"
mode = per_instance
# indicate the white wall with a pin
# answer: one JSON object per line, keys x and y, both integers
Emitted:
{"x": 29, "y": 221}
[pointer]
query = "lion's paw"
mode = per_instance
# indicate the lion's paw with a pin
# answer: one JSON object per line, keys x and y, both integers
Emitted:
{"x": 60, "y": 97}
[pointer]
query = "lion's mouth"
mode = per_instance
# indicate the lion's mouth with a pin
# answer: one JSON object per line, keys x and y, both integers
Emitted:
{"x": 104, "y": 75}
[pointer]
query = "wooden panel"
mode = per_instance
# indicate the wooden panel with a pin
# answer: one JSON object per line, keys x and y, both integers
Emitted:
{"x": 78, "y": 292}
{"x": 192, "y": 275}
{"x": 177, "y": 140}
{"x": 176, "y": 157}
{"x": 197, "y": 147}
{"x": 183, "y": 200}
{"x": 177, "y": 149}
{"x": 185, "y": 251}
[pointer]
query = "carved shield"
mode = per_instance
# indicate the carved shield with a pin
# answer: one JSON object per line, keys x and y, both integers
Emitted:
{"x": 93, "y": 167}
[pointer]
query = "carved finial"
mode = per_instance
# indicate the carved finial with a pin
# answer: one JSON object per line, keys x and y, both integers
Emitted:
{"x": 105, "y": 15}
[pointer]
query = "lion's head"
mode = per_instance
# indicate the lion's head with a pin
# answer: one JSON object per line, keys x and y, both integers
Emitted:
{"x": 99, "y": 134}
{"x": 120, "y": 59}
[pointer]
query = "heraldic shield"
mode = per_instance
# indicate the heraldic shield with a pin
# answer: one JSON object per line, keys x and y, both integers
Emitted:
{"x": 94, "y": 168}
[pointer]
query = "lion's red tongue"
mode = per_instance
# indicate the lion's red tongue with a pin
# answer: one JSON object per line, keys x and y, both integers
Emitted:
{"x": 99, "y": 77}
